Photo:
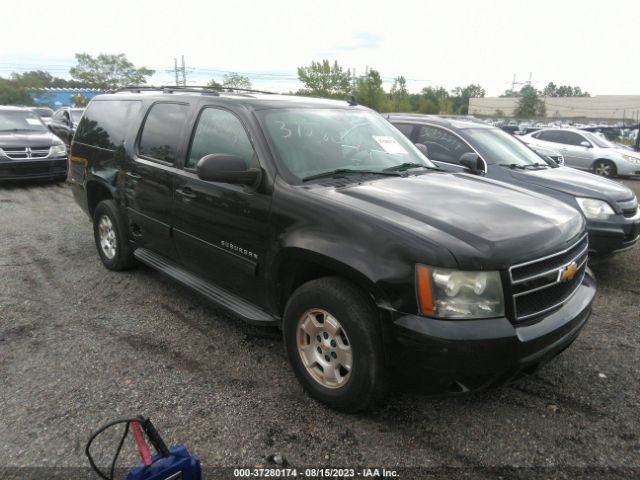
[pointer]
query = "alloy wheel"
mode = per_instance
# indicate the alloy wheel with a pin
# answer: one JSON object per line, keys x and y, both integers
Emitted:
{"x": 324, "y": 348}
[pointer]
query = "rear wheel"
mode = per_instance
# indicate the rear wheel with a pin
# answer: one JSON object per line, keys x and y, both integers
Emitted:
{"x": 110, "y": 237}
{"x": 333, "y": 340}
{"x": 604, "y": 168}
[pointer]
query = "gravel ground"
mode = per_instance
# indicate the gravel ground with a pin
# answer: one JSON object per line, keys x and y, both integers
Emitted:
{"x": 81, "y": 345}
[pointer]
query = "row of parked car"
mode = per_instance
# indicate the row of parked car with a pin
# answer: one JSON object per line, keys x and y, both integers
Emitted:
{"x": 441, "y": 249}
{"x": 34, "y": 142}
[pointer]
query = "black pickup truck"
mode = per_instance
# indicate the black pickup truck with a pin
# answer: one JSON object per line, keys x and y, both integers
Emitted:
{"x": 321, "y": 218}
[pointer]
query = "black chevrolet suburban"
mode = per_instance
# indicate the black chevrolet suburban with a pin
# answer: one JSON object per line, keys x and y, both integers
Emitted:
{"x": 321, "y": 218}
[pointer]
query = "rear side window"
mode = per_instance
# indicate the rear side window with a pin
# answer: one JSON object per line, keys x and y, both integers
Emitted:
{"x": 105, "y": 123}
{"x": 162, "y": 131}
{"x": 219, "y": 131}
{"x": 405, "y": 128}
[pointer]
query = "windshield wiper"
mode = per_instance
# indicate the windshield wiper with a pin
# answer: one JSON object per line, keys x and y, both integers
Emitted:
{"x": 512, "y": 165}
{"x": 407, "y": 166}
{"x": 338, "y": 171}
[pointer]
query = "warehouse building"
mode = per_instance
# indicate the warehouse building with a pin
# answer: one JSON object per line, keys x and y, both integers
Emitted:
{"x": 601, "y": 107}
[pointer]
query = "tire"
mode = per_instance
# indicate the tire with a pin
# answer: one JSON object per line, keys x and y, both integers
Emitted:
{"x": 339, "y": 318}
{"x": 110, "y": 236}
{"x": 605, "y": 168}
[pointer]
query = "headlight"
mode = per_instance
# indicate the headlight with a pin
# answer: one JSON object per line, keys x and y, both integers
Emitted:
{"x": 457, "y": 294}
{"x": 59, "y": 149}
{"x": 595, "y": 209}
{"x": 2, "y": 154}
{"x": 631, "y": 159}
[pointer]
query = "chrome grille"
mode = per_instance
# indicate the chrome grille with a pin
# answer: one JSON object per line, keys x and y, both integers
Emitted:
{"x": 541, "y": 285}
{"x": 26, "y": 153}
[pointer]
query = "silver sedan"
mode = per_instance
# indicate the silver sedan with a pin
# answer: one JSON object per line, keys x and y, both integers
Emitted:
{"x": 586, "y": 151}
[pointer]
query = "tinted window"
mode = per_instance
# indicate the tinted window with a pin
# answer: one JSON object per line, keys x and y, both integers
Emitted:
{"x": 560, "y": 136}
{"x": 219, "y": 131}
{"x": 570, "y": 138}
{"x": 106, "y": 123}
{"x": 161, "y": 132}
{"x": 442, "y": 145}
{"x": 405, "y": 128}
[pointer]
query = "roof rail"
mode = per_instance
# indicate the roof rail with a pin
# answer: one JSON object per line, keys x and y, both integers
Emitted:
{"x": 191, "y": 88}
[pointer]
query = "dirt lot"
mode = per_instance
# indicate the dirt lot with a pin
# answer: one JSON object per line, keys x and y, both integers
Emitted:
{"x": 80, "y": 345}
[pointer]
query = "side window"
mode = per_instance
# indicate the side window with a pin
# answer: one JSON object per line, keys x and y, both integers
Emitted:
{"x": 105, "y": 123}
{"x": 549, "y": 136}
{"x": 571, "y": 138}
{"x": 442, "y": 145}
{"x": 161, "y": 131}
{"x": 57, "y": 117}
{"x": 405, "y": 128}
{"x": 219, "y": 131}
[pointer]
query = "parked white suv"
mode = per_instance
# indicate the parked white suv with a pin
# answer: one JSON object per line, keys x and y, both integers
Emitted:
{"x": 586, "y": 151}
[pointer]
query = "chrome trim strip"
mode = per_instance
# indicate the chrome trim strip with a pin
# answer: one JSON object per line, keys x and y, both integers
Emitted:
{"x": 516, "y": 282}
{"x": 556, "y": 282}
{"x": 524, "y": 317}
{"x": 543, "y": 258}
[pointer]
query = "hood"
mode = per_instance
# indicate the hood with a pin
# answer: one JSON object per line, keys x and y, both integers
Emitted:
{"x": 576, "y": 183}
{"x": 485, "y": 224}
{"x": 26, "y": 139}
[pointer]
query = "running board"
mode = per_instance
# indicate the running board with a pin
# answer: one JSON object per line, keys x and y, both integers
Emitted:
{"x": 229, "y": 301}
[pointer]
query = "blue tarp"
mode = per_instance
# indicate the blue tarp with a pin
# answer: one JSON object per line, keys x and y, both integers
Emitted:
{"x": 56, "y": 98}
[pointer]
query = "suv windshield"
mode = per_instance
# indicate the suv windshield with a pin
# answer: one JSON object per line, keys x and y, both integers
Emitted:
{"x": 600, "y": 142}
{"x": 496, "y": 146}
{"x": 311, "y": 142}
{"x": 20, "y": 120}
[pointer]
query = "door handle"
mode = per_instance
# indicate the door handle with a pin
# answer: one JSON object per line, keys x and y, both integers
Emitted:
{"x": 134, "y": 175}
{"x": 186, "y": 192}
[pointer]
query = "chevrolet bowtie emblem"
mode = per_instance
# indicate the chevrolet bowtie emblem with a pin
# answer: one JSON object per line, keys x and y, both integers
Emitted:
{"x": 568, "y": 272}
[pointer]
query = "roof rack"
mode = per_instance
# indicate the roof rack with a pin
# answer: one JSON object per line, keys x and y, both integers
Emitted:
{"x": 212, "y": 90}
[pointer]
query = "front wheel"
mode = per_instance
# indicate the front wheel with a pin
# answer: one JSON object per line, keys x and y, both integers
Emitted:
{"x": 333, "y": 339}
{"x": 604, "y": 168}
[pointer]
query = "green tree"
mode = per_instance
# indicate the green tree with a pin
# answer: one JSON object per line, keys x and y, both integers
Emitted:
{"x": 108, "y": 72}
{"x": 530, "y": 104}
{"x": 435, "y": 100}
{"x": 369, "y": 92}
{"x": 460, "y": 97}
{"x": 42, "y": 79}
{"x": 551, "y": 90}
{"x": 235, "y": 80}
{"x": 12, "y": 93}
{"x": 213, "y": 83}
{"x": 80, "y": 101}
{"x": 321, "y": 79}
{"x": 400, "y": 96}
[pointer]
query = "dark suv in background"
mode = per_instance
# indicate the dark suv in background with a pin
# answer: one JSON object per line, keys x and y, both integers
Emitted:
{"x": 319, "y": 217}
{"x": 610, "y": 208}
{"x": 64, "y": 123}
{"x": 28, "y": 150}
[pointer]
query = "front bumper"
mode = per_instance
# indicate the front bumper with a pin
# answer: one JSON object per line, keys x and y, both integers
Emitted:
{"x": 474, "y": 354}
{"x": 614, "y": 236}
{"x": 33, "y": 169}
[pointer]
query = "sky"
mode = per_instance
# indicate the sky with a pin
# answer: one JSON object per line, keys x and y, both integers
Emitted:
{"x": 594, "y": 45}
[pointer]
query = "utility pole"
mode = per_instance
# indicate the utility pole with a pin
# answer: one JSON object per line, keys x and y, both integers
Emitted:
{"x": 184, "y": 73}
{"x": 175, "y": 69}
